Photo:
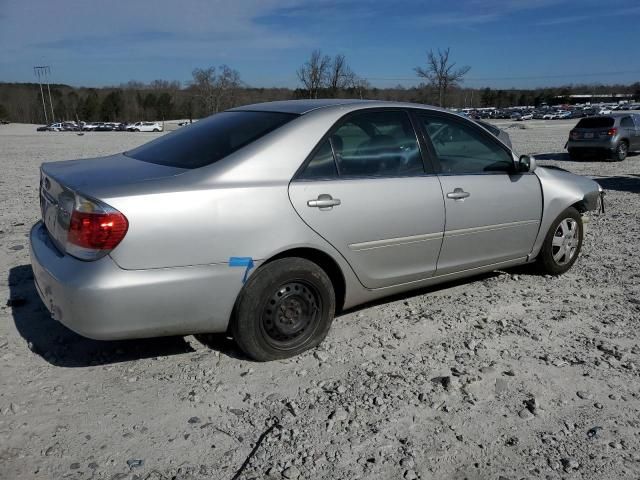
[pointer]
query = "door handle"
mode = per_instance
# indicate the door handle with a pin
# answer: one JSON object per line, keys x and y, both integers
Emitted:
{"x": 458, "y": 194}
{"x": 324, "y": 202}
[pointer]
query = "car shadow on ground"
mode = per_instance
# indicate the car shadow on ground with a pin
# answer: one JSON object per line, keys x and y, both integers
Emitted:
{"x": 60, "y": 346}
{"x": 564, "y": 157}
{"x": 520, "y": 270}
{"x": 627, "y": 183}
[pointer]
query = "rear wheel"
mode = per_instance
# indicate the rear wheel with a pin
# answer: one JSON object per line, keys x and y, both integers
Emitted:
{"x": 285, "y": 308}
{"x": 156, "y": 130}
{"x": 575, "y": 155}
{"x": 621, "y": 151}
{"x": 562, "y": 244}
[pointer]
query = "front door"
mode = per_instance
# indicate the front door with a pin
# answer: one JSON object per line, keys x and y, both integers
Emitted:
{"x": 365, "y": 190}
{"x": 492, "y": 213}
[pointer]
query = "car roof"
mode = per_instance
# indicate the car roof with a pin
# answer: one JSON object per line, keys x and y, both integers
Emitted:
{"x": 301, "y": 107}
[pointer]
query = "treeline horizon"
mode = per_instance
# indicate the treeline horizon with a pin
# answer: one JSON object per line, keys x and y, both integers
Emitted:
{"x": 214, "y": 91}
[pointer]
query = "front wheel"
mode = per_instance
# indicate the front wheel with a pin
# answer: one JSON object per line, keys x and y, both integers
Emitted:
{"x": 285, "y": 308}
{"x": 562, "y": 244}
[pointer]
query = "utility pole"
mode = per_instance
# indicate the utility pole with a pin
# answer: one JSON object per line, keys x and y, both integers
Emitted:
{"x": 38, "y": 72}
{"x": 43, "y": 72}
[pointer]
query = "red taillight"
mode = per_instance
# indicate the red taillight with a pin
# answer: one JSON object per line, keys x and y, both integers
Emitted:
{"x": 612, "y": 131}
{"x": 573, "y": 134}
{"x": 97, "y": 231}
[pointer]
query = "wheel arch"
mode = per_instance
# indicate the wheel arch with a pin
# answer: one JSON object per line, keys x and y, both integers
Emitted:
{"x": 324, "y": 261}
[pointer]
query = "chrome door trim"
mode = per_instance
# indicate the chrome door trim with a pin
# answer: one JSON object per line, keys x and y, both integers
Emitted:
{"x": 392, "y": 242}
{"x": 488, "y": 228}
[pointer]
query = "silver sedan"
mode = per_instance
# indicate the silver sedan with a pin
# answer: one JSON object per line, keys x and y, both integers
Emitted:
{"x": 266, "y": 220}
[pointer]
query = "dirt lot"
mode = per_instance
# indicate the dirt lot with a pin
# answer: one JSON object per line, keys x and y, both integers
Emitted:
{"x": 506, "y": 376}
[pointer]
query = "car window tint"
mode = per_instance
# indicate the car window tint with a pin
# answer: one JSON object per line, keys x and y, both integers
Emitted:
{"x": 210, "y": 139}
{"x": 322, "y": 164}
{"x": 595, "y": 122}
{"x": 463, "y": 148}
{"x": 626, "y": 122}
{"x": 377, "y": 144}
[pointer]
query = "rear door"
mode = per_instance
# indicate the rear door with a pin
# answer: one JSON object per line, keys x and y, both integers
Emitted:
{"x": 366, "y": 190}
{"x": 628, "y": 130}
{"x": 492, "y": 213}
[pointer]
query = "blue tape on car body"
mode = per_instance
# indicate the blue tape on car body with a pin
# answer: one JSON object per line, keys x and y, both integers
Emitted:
{"x": 246, "y": 262}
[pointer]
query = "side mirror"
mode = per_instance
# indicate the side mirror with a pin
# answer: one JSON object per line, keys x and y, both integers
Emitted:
{"x": 526, "y": 164}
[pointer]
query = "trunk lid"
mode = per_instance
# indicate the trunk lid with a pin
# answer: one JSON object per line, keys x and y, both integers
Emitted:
{"x": 60, "y": 182}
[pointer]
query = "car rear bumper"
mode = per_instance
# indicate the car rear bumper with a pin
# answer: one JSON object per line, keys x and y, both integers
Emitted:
{"x": 599, "y": 145}
{"x": 100, "y": 300}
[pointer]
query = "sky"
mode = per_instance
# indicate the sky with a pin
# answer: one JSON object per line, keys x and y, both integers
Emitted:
{"x": 507, "y": 43}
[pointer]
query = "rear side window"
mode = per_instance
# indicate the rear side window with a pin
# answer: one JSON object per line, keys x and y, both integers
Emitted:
{"x": 210, "y": 139}
{"x": 626, "y": 122}
{"x": 377, "y": 144}
{"x": 595, "y": 122}
{"x": 322, "y": 165}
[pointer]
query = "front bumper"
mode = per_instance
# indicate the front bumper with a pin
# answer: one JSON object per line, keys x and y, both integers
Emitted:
{"x": 100, "y": 300}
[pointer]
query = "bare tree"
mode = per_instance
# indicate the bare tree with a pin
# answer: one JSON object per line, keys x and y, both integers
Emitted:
{"x": 441, "y": 73}
{"x": 361, "y": 85}
{"x": 340, "y": 76}
{"x": 313, "y": 74}
{"x": 216, "y": 89}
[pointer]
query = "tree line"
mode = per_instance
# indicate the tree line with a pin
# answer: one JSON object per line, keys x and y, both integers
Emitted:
{"x": 214, "y": 89}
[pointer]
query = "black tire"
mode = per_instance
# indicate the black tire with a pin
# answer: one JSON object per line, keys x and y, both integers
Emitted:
{"x": 156, "y": 130}
{"x": 285, "y": 308}
{"x": 575, "y": 155}
{"x": 621, "y": 151}
{"x": 550, "y": 259}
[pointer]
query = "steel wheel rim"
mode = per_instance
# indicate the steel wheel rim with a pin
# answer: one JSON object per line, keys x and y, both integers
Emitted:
{"x": 566, "y": 238}
{"x": 291, "y": 315}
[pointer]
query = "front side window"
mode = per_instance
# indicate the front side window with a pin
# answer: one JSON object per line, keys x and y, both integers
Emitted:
{"x": 377, "y": 144}
{"x": 210, "y": 139}
{"x": 463, "y": 149}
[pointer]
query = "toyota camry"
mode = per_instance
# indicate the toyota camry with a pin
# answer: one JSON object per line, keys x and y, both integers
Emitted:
{"x": 266, "y": 220}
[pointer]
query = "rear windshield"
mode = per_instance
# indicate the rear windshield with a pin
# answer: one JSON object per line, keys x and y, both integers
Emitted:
{"x": 210, "y": 139}
{"x": 595, "y": 122}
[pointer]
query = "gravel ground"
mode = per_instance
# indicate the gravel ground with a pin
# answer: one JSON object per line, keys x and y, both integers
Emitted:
{"x": 505, "y": 376}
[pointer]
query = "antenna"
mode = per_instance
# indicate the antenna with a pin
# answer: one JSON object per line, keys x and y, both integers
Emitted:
{"x": 41, "y": 72}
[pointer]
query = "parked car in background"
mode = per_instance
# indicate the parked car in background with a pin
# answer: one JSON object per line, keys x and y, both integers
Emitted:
{"x": 527, "y": 116}
{"x": 89, "y": 126}
{"x": 612, "y": 136}
{"x": 145, "y": 127}
{"x": 267, "y": 219}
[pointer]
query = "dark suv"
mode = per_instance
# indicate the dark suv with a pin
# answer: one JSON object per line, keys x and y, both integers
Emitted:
{"x": 612, "y": 135}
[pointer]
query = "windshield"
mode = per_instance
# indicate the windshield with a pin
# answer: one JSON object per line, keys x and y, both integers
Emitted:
{"x": 210, "y": 139}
